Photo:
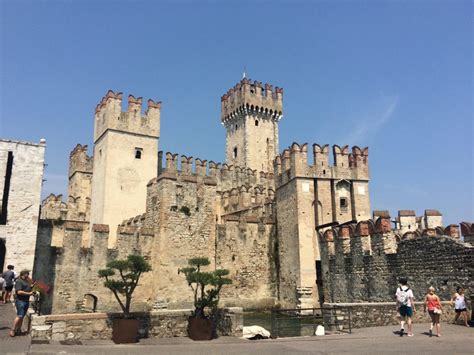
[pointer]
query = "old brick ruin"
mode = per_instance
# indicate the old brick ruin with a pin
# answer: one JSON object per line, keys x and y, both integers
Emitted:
{"x": 261, "y": 215}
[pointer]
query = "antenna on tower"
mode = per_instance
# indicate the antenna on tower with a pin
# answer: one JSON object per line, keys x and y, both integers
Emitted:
{"x": 244, "y": 75}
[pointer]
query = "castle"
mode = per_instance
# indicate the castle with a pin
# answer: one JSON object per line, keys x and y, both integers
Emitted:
{"x": 274, "y": 220}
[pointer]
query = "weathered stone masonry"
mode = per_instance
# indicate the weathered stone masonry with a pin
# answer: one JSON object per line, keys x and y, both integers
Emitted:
{"x": 21, "y": 178}
{"x": 256, "y": 215}
{"x": 363, "y": 262}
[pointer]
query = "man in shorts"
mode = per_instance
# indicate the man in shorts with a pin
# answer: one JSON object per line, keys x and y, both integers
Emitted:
{"x": 9, "y": 277}
{"x": 23, "y": 292}
{"x": 405, "y": 306}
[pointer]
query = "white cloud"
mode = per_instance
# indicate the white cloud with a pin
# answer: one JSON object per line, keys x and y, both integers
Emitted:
{"x": 373, "y": 123}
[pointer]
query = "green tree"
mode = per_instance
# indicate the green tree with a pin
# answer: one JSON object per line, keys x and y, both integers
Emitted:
{"x": 198, "y": 281}
{"x": 127, "y": 274}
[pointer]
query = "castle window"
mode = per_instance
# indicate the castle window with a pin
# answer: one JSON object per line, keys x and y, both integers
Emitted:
{"x": 235, "y": 152}
{"x": 256, "y": 122}
{"x": 343, "y": 203}
{"x": 138, "y": 153}
{"x": 235, "y": 127}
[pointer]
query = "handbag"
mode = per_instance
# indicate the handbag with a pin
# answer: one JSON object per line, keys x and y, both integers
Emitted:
{"x": 437, "y": 311}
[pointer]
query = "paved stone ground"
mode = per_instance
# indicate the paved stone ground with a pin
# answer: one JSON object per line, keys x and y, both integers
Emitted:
{"x": 8, "y": 345}
{"x": 456, "y": 339}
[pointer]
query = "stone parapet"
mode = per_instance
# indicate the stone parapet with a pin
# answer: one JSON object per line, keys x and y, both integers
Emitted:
{"x": 109, "y": 116}
{"x": 293, "y": 162}
{"x": 248, "y": 97}
{"x": 374, "y": 314}
{"x": 156, "y": 324}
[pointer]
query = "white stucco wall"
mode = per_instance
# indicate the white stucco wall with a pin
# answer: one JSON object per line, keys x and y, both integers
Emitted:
{"x": 24, "y": 200}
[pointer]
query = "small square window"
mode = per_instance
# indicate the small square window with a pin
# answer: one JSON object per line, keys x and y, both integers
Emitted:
{"x": 343, "y": 203}
{"x": 138, "y": 153}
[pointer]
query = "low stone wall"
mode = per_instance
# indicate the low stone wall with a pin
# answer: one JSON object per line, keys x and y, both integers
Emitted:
{"x": 156, "y": 324}
{"x": 336, "y": 315}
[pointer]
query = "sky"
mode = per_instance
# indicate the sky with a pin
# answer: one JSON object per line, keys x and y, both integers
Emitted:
{"x": 395, "y": 76}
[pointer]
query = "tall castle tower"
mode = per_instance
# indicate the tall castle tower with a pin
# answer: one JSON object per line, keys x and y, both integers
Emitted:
{"x": 80, "y": 184}
{"x": 125, "y": 158}
{"x": 250, "y": 113}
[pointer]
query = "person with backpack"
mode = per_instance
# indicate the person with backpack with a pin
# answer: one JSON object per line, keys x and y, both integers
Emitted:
{"x": 405, "y": 306}
{"x": 9, "y": 277}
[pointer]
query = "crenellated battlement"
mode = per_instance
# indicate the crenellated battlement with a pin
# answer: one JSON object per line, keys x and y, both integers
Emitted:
{"x": 135, "y": 221}
{"x": 362, "y": 262}
{"x": 248, "y": 97}
{"x": 53, "y": 207}
{"x": 172, "y": 165}
{"x": 109, "y": 115}
{"x": 246, "y": 197}
{"x": 293, "y": 162}
{"x": 80, "y": 161}
{"x": 377, "y": 234}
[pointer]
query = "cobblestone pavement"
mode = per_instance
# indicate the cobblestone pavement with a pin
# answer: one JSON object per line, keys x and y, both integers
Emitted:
{"x": 8, "y": 345}
{"x": 456, "y": 339}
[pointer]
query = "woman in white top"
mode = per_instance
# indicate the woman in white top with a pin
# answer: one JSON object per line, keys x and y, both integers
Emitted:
{"x": 460, "y": 305}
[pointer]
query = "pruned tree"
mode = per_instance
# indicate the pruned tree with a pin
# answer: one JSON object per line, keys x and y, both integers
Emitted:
{"x": 127, "y": 275}
{"x": 198, "y": 280}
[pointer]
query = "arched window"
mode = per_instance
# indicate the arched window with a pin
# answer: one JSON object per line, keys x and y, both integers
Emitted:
{"x": 256, "y": 122}
{"x": 235, "y": 152}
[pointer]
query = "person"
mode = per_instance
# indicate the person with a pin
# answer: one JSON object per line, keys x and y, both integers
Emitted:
{"x": 405, "y": 306}
{"x": 433, "y": 304}
{"x": 2, "y": 288}
{"x": 9, "y": 277}
{"x": 23, "y": 290}
{"x": 459, "y": 305}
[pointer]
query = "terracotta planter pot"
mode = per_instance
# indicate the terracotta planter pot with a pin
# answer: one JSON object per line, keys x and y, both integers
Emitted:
{"x": 200, "y": 329}
{"x": 125, "y": 331}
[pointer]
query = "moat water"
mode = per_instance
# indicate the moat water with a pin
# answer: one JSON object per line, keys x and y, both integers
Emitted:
{"x": 288, "y": 327}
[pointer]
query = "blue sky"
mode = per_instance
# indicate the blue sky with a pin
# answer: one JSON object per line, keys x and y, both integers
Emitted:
{"x": 395, "y": 76}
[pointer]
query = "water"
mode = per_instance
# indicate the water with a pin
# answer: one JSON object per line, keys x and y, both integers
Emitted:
{"x": 288, "y": 326}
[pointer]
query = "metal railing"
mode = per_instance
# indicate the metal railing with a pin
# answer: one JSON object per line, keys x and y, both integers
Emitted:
{"x": 338, "y": 318}
{"x": 304, "y": 321}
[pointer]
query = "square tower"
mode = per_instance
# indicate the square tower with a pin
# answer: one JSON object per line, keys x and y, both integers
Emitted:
{"x": 125, "y": 158}
{"x": 250, "y": 113}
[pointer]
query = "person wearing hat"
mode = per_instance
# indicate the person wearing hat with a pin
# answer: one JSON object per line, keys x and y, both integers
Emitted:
{"x": 23, "y": 289}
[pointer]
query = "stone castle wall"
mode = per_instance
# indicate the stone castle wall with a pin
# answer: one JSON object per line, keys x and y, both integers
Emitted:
{"x": 184, "y": 212}
{"x": 363, "y": 263}
{"x": 20, "y": 201}
{"x": 260, "y": 224}
{"x": 73, "y": 267}
{"x": 247, "y": 248}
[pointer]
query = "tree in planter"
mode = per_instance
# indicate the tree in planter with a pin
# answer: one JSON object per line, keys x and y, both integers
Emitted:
{"x": 198, "y": 281}
{"x": 129, "y": 272}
